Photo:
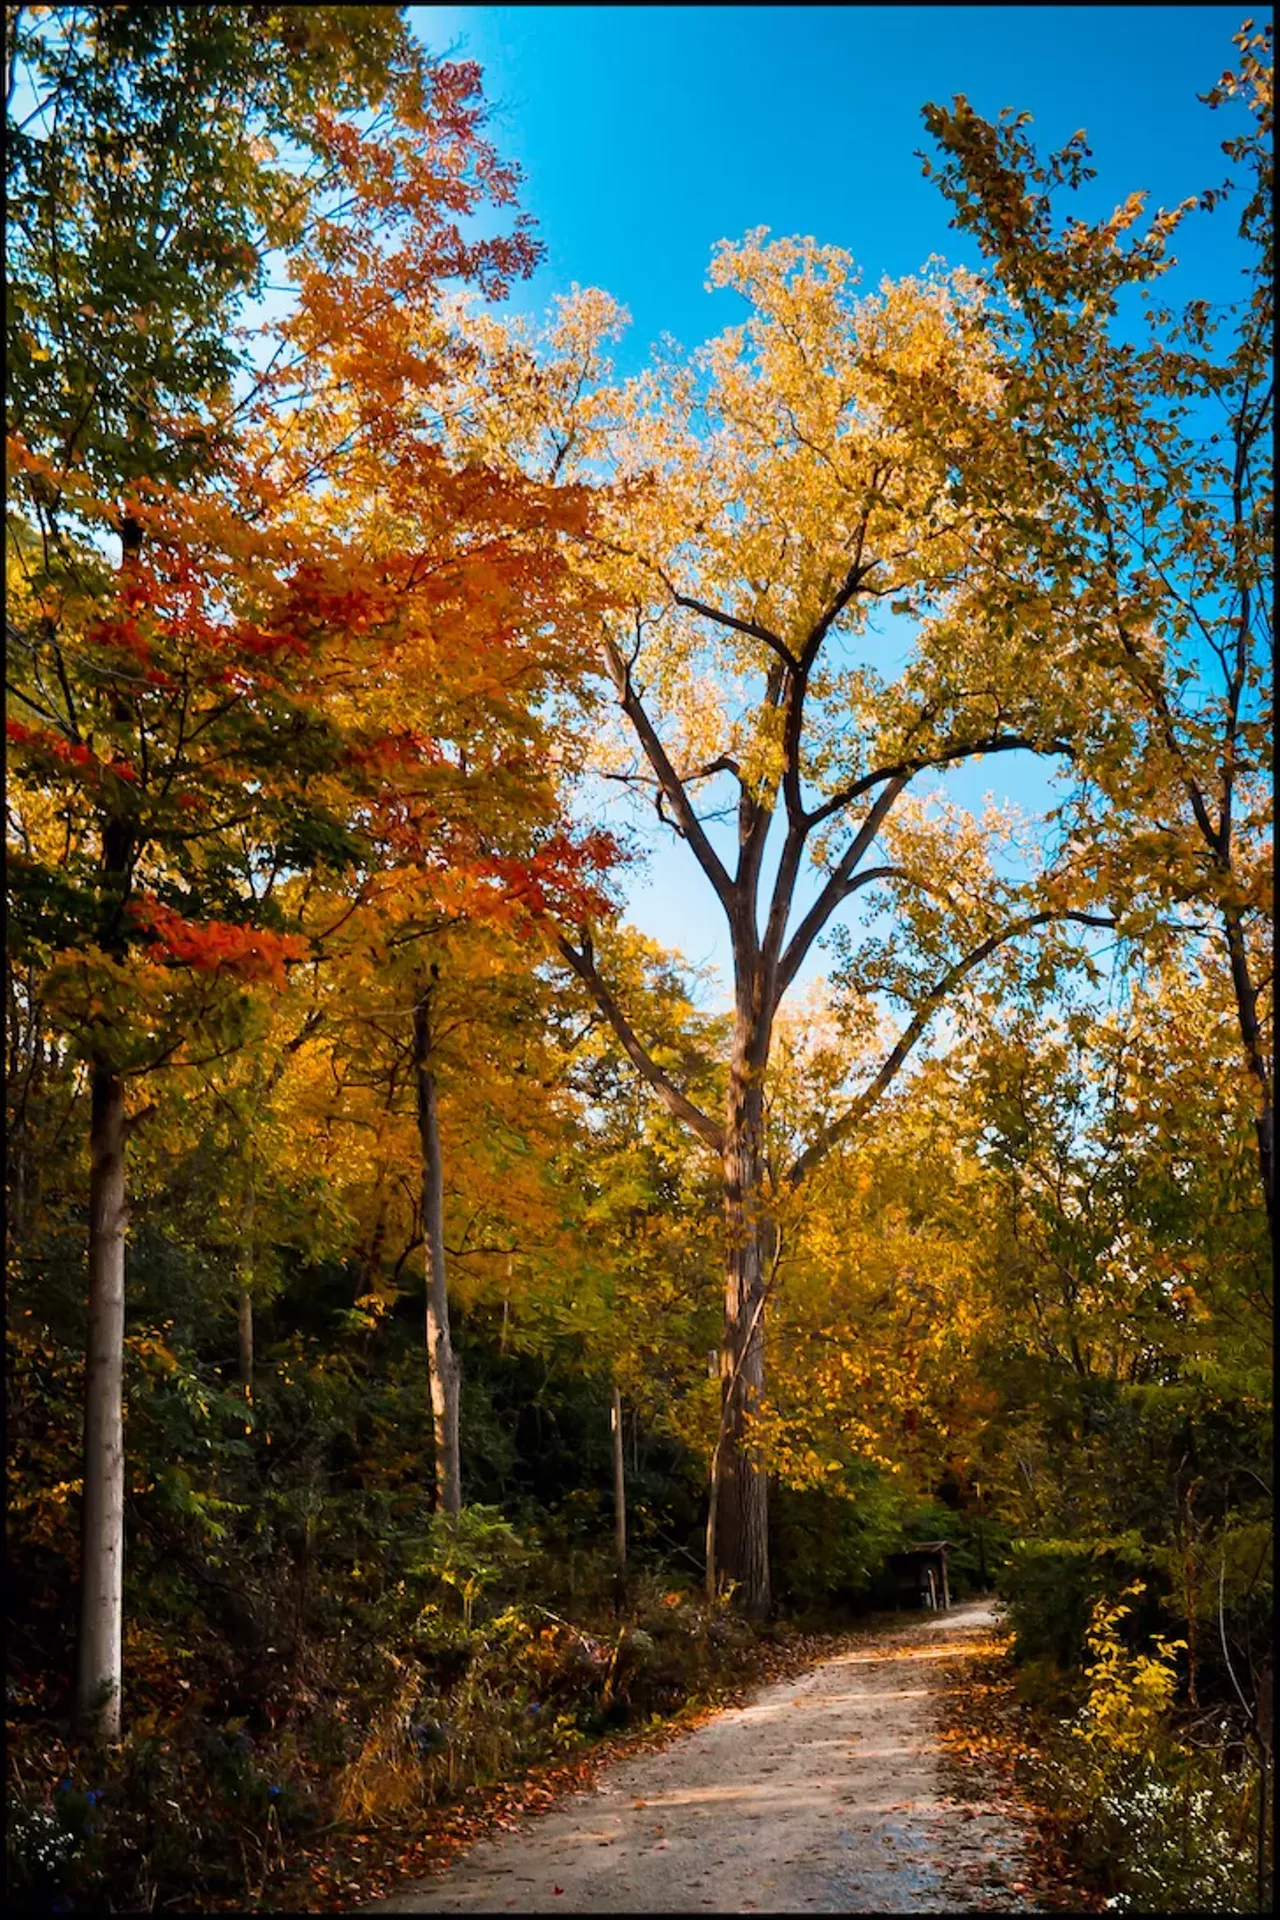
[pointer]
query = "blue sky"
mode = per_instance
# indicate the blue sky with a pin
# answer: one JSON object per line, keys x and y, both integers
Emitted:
{"x": 646, "y": 134}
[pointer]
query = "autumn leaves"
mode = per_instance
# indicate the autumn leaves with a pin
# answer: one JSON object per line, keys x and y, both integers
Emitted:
{"x": 325, "y": 626}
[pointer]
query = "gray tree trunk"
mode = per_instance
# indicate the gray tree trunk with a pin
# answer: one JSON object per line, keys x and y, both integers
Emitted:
{"x": 619, "y": 1488}
{"x": 442, "y": 1363}
{"x": 99, "y": 1672}
{"x": 738, "y": 1506}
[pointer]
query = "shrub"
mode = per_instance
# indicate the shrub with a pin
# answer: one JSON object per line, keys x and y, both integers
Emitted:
{"x": 40, "y": 1848}
{"x": 1051, "y": 1588}
{"x": 1159, "y": 1822}
{"x": 1171, "y": 1837}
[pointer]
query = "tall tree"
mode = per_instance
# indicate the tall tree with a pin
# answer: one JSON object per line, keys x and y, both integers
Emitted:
{"x": 462, "y": 745}
{"x": 1151, "y": 431}
{"x": 771, "y": 494}
{"x": 170, "y": 702}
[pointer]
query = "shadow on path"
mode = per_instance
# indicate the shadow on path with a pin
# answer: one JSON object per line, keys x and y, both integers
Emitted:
{"x": 824, "y": 1794}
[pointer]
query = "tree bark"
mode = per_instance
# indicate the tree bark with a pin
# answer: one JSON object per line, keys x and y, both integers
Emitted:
{"x": 738, "y": 1507}
{"x": 244, "y": 1300}
{"x": 444, "y": 1372}
{"x": 619, "y": 1496}
{"x": 244, "y": 1329}
{"x": 99, "y": 1671}
{"x": 100, "y": 1645}
{"x": 1246, "y": 997}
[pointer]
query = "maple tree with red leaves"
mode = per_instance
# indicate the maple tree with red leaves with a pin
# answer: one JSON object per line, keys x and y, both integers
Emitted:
{"x": 181, "y": 761}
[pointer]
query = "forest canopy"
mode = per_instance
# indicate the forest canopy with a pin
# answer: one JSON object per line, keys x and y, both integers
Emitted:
{"x": 405, "y": 1251}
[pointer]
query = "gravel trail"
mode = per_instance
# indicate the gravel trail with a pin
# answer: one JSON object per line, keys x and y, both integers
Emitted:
{"x": 823, "y": 1795}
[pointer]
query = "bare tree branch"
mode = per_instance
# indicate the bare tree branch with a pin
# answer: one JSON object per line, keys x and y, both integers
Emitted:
{"x": 731, "y": 620}
{"x": 582, "y": 960}
{"x": 656, "y": 754}
{"x": 840, "y": 885}
{"x": 904, "y": 769}
{"x": 845, "y": 1123}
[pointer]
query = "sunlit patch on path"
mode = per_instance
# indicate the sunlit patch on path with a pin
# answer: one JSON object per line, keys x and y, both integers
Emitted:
{"x": 824, "y": 1794}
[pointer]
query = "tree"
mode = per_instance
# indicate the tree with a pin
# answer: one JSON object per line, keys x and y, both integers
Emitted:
{"x": 461, "y": 747}
{"x": 426, "y": 1007}
{"x": 1156, "y": 554}
{"x": 170, "y": 703}
{"x": 1125, "y": 1318}
{"x": 144, "y": 902}
{"x": 161, "y": 159}
{"x": 831, "y": 454}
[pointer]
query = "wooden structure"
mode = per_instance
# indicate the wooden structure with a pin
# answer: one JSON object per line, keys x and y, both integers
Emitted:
{"x": 920, "y": 1576}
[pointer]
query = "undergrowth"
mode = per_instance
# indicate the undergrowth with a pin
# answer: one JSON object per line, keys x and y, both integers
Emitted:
{"x": 1162, "y": 1813}
{"x": 363, "y": 1756}
{"x": 1142, "y": 1805}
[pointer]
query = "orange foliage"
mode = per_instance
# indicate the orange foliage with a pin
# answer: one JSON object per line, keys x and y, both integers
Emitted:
{"x": 218, "y": 946}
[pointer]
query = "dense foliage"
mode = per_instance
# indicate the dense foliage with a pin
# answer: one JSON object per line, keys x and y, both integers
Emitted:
{"x": 417, "y": 1298}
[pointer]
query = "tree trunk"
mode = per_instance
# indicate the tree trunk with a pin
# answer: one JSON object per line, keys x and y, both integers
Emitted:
{"x": 244, "y": 1329}
{"x": 98, "y": 1676}
{"x": 244, "y": 1302}
{"x": 442, "y": 1363}
{"x": 619, "y": 1497}
{"x": 99, "y": 1652}
{"x": 738, "y": 1508}
{"x": 1246, "y": 995}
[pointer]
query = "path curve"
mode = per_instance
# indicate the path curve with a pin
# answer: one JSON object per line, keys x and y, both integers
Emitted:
{"x": 824, "y": 1794}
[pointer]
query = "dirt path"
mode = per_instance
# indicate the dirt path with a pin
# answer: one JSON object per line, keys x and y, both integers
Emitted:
{"x": 824, "y": 1795}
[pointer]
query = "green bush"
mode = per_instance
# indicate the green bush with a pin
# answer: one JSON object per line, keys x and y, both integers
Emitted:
{"x": 1051, "y": 1587}
{"x": 828, "y": 1548}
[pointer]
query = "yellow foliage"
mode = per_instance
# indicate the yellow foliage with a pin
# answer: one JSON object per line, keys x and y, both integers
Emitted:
{"x": 1129, "y": 1693}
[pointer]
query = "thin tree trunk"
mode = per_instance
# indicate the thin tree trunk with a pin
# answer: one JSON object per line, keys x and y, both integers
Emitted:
{"x": 1189, "y": 1571}
{"x": 619, "y": 1498}
{"x": 442, "y": 1363}
{"x": 244, "y": 1302}
{"x": 619, "y": 1483}
{"x": 506, "y": 1307}
{"x": 99, "y": 1672}
{"x": 23, "y": 1079}
{"x": 100, "y": 1646}
{"x": 738, "y": 1506}
{"x": 1246, "y": 995}
{"x": 244, "y": 1328}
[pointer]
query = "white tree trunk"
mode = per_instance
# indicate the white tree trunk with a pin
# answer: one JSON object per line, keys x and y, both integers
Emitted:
{"x": 98, "y": 1675}
{"x": 738, "y": 1504}
{"x": 442, "y": 1363}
